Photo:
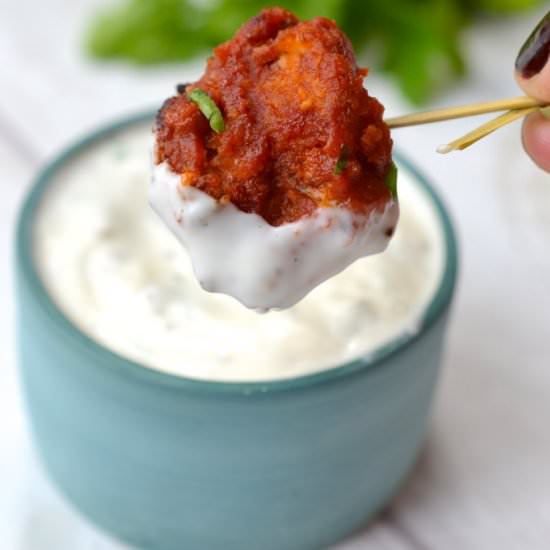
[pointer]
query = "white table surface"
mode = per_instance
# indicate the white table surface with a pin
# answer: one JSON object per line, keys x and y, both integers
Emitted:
{"x": 483, "y": 481}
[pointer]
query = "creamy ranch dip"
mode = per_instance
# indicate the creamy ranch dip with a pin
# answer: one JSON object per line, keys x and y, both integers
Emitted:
{"x": 117, "y": 272}
{"x": 265, "y": 267}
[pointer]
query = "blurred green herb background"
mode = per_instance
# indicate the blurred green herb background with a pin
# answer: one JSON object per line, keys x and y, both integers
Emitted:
{"x": 416, "y": 41}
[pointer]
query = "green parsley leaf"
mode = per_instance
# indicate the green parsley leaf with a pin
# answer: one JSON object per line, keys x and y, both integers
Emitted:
{"x": 391, "y": 180}
{"x": 208, "y": 108}
{"x": 342, "y": 161}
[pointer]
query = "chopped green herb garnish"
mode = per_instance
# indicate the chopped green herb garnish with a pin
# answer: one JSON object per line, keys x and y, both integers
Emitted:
{"x": 208, "y": 108}
{"x": 342, "y": 161}
{"x": 391, "y": 180}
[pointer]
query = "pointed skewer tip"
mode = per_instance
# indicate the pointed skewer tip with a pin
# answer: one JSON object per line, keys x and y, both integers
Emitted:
{"x": 444, "y": 149}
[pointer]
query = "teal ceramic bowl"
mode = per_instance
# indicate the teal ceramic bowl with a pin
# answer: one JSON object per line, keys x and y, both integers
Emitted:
{"x": 170, "y": 463}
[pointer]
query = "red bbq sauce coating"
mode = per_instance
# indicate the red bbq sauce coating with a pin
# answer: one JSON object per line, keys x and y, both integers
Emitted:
{"x": 292, "y": 98}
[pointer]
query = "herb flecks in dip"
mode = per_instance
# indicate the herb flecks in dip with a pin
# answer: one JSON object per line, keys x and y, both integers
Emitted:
{"x": 114, "y": 269}
{"x": 292, "y": 100}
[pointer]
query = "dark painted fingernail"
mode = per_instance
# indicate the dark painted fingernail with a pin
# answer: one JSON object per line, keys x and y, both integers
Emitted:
{"x": 535, "y": 52}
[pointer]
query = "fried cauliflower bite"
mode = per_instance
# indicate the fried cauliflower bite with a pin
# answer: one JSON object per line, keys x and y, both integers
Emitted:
{"x": 300, "y": 130}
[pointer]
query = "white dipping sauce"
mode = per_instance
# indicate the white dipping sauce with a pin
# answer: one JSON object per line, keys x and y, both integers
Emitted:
{"x": 264, "y": 267}
{"x": 117, "y": 272}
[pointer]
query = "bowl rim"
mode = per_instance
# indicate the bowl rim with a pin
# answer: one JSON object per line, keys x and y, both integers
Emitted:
{"x": 28, "y": 271}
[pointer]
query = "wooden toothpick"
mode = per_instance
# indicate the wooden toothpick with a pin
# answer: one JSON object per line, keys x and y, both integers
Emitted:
{"x": 516, "y": 107}
{"x": 473, "y": 109}
{"x": 484, "y": 130}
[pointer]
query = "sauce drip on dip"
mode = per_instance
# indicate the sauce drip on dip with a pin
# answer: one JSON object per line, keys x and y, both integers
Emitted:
{"x": 274, "y": 169}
